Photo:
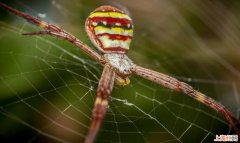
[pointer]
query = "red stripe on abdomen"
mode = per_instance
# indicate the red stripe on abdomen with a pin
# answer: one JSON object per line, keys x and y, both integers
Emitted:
{"x": 112, "y": 21}
{"x": 116, "y": 36}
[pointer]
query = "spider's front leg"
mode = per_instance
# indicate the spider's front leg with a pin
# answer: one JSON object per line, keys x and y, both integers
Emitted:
{"x": 104, "y": 90}
{"x": 172, "y": 83}
{"x": 31, "y": 19}
{"x": 53, "y": 30}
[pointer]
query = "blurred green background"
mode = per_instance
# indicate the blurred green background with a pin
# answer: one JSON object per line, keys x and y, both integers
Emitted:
{"x": 48, "y": 86}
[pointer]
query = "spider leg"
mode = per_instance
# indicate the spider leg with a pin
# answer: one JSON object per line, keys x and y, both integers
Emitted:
{"x": 57, "y": 32}
{"x": 172, "y": 83}
{"x": 31, "y": 19}
{"x": 38, "y": 33}
{"x": 104, "y": 89}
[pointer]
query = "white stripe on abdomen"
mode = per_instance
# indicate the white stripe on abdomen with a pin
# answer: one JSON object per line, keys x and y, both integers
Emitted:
{"x": 108, "y": 43}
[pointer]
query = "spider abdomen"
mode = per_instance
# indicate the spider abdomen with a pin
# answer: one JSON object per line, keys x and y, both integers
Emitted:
{"x": 110, "y": 29}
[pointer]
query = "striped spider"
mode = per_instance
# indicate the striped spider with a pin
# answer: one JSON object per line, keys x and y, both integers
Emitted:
{"x": 111, "y": 31}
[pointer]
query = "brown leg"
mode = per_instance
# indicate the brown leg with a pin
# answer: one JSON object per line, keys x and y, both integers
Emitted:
{"x": 56, "y": 31}
{"x": 176, "y": 85}
{"x": 104, "y": 90}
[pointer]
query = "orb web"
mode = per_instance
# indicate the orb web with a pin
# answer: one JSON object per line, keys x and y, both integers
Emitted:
{"x": 48, "y": 86}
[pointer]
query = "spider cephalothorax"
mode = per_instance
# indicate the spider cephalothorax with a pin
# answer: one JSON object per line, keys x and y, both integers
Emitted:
{"x": 110, "y": 29}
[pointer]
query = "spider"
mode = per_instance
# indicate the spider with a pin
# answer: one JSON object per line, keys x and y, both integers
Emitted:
{"x": 111, "y": 31}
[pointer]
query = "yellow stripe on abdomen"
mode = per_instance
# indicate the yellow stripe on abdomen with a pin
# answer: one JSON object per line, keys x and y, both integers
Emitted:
{"x": 110, "y": 14}
{"x": 115, "y": 30}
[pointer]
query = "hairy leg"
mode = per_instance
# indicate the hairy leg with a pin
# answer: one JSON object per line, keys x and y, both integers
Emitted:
{"x": 177, "y": 85}
{"x": 54, "y": 30}
{"x": 104, "y": 90}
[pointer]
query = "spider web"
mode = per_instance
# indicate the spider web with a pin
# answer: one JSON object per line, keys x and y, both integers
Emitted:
{"x": 48, "y": 87}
